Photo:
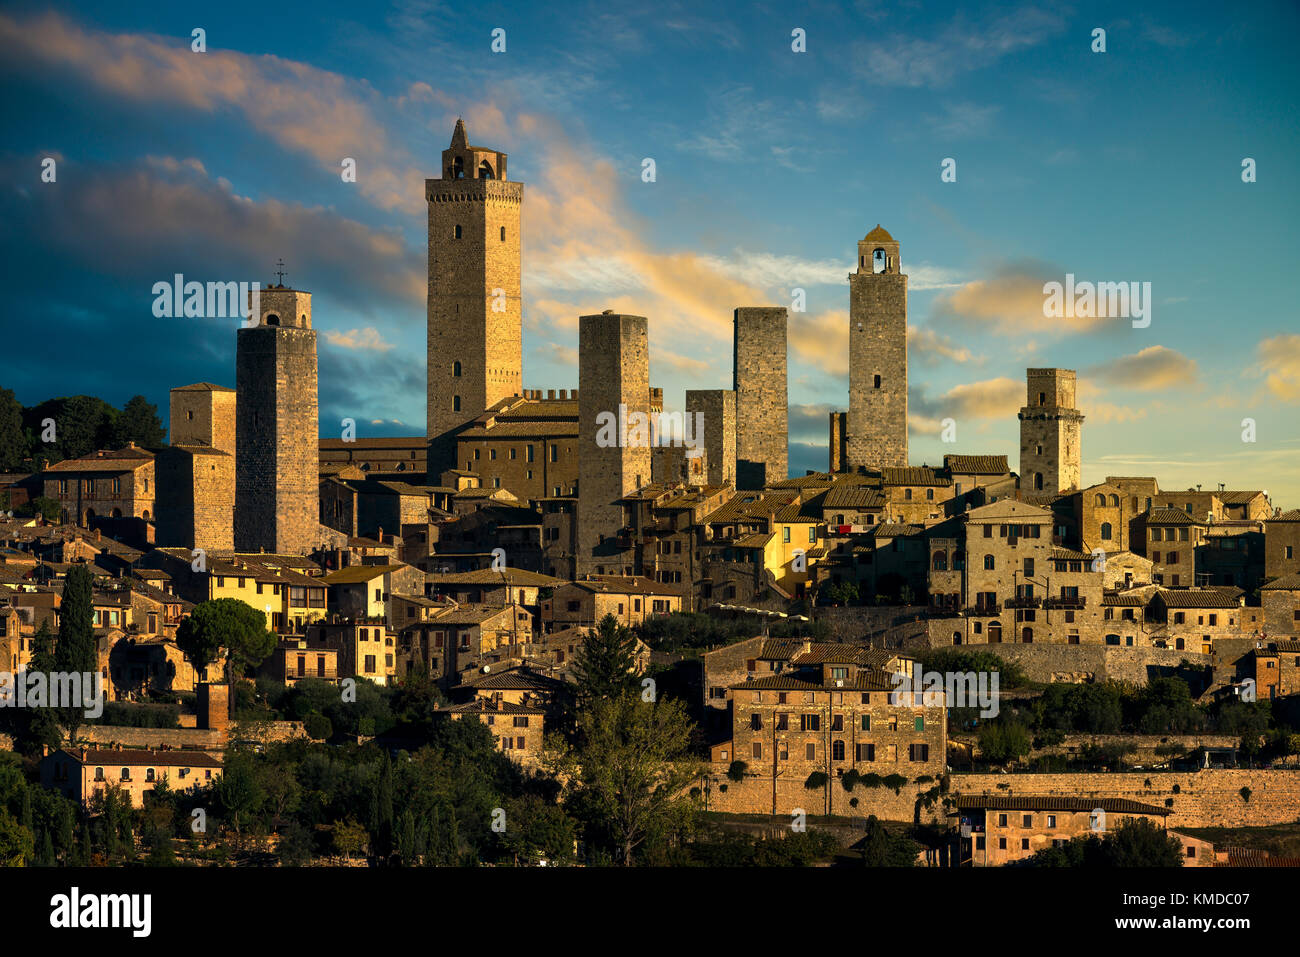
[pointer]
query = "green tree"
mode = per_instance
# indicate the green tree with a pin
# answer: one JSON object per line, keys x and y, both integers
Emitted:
{"x": 536, "y": 829}
{"x": 604, "y": 665}
{"x": 881, "y": 849}
{"x": 349, "y": 837}
{"x": 225, "y": 623}
{"x": 15, "y": 445}
{"x": 16, "y": 842}
{"x": 47, "y": 508}
{"x": 76, "y": 651}
{"x": 239, "y": 792}
{"x": 634, "y": 766}
{"x": 381, "y": 810}
{"x": 1004, "y": 740}
{"x": 138, "y": 423}
{"x": 1140, "y": 842}
{"x": 83, "y": 424}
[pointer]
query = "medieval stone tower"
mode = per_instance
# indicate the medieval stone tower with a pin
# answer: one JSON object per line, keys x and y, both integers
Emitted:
{"x": 762, "y": 406}
{"x": 195, "y": 474}
{"x": 1050, "y": 433}
{"x": 475, "y": 323}
{"x": 277, "y": 430}
{"x": 613, "y": 378}
{"x": 877, "y": 423}
{"x": 717, "y": 411}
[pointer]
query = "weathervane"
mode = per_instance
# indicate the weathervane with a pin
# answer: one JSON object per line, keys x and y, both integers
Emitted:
{"x": 280, "y": 272}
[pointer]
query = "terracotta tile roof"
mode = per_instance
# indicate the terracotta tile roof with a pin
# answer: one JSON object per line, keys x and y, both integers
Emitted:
{"x": 752, "y": 540}
{"x": 626, "y": 585}
{"x": 1237, "y": 498}
{"x": 121, "y": 460}
{"x": 484, "y": 706}
{"x": 1285, "y": 583}
{"x": 913, "y": 475}
{"x": 1170, "y": 516}
{"x": 512, "y": 430}
{"x": 471, "y": 614}
{"x": 137, "y": 757}
{"x": 518, "y": 577}
{"x": 1292, "y": 516}
{"x": 853, "y": 496}
{"x": 1067, "y": 554}
{"x": 894, "y": 530}
{"x": 1287, "y": 647}
{"x": 355, "y": 574}
{"x": 203, "y": 387}
{"x": 1001, "y": 803}
{"x": 515, "y": 679}
{"x": 1197, "y": 598}
{"x": 862, "y": 681}
{"x": 976, "y": 464}
{"x": 1125, "y": 601}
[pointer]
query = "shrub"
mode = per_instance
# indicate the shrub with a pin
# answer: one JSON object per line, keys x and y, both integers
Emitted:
{"x": 737, "y": 771}
{"x": 816, "y": 780}
{"x": 318, "y": 726}
{"x": 850, "y": 779}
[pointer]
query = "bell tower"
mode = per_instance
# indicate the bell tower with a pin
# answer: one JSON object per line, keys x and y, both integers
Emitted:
{"x": 475, "y": 343}
{"x": 877, "y": 423}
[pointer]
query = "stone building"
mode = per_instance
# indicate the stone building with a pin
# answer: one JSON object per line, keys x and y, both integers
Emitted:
{"x": 996, "y": 830}
{"x": 877, "y": 423}
{"x": 103, "y": 485}
{"x": 614, "y": 382}
{"x": 1172, "y": 537}
{"x": 277, "y": 455}
{"x": 762, "y": 405}
{"x": 717, "y": 411}
{"x": 833, "y": 712}
{"x": 475, "y": 332}
{"x": 526, "y": 444}
{"x": 81, "y": 772}
{"x": 1050, "y": 434}
{"x": 397, "y": 457}
{"x": 631, "y": 600}
{"x": 1280, "y": 601}
{"x": 196, "y": 497}
{"x": 1282, "y": 544}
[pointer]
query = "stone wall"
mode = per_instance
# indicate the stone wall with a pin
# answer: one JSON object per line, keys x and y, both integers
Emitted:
{"x": 762, "y": 405}
{"x": 755, "y": 795}
{"x": 203, "y": 414}
{"x": 1209, "y": 798}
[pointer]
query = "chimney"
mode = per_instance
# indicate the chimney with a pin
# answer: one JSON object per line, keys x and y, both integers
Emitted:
{"x": 98, "y": 535}
{"x": 550, "y": 393}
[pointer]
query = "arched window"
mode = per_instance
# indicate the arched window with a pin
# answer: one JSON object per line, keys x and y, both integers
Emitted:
{"x": 126, "y": 774}
{"x": 1114, "y": 501}
{"x": 1105, "y": 530}
{"x": 1027, "y": 636}
{"x": 941, "y": 561}
{"x": 995, "y": 632}
{"x": 148, "y": 775}
{"x": 484, "y": 170}
{"x": 455, "y": 403}
{"x": 929, "y": 494}
{"x": 989, "y": 563}
{"x": 878, "y": 261}
{"x": 99, "y": 774}
{"x": 458, "y": 168}
{"x": 455, "y": 368}
{"x": 503, "y": 234}
{"x": 457, "y": 232}
{"x": 1038, "y": 481}
{"x": 956, "y": 637}
{"x": 1112, "y": 639}
{"x": 837, "y": 750}
{"x": 272, "y": 319}
{"x": 116, "y": 513}
{"x": 958, "y": 560}
{"x": 1100, "y": 500}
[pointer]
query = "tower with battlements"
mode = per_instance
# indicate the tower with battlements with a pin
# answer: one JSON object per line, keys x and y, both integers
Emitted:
{"x": 1051, "y": 434}
{"x": 475, "y": 332}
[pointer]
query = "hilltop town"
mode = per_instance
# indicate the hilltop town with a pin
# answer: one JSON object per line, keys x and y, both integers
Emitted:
{"x": 542, "y": 557}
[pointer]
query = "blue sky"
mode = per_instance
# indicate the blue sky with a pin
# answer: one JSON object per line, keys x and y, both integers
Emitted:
{"x": 771, "y": 165}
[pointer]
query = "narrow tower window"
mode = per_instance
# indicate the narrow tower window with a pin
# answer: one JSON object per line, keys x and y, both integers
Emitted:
{"x": 455, "y": 403}
{"x": 458, "y": 232}
{"x": 877, "y": 382}
{"x": 455, "y": 368}
{"x": 503, "y": 234}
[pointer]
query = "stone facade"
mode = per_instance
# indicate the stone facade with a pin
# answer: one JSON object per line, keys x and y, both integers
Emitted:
{"x": 1282, "y": 545}
{"x": 1050, "y": 433}
{"x": 839, "y": 441}
{"x": 203, "y": 414}
{"x": 196, "y": 497}
{"x": 475, "y": 335}
{"x": 762, "y": 406}
{"x": 717, "y": 407}
{"x": 277, "y": 460}
{"x": 877, "y": 424}
{"x": 614, "y": 379}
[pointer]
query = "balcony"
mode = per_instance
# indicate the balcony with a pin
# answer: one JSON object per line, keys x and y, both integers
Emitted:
{"x": 1073, "y": 603}
{"x": 985, "y": 611}
{"x": 1022, "y": 601}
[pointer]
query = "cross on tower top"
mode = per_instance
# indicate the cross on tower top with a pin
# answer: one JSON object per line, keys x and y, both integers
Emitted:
{"x": 280, "y": 271}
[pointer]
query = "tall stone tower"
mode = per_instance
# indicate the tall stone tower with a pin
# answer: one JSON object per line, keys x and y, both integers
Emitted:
{"x": 195, "y": 474}
{"x": 475, "y": 325}
{"x": 1050, "y": 434}
{"x": 762, "y": 406}
{"x": 877, "y": 425}
{"x": 613, "y": 379}
{"x": 277, "y": 431}
{"x": 717, "y": 411}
